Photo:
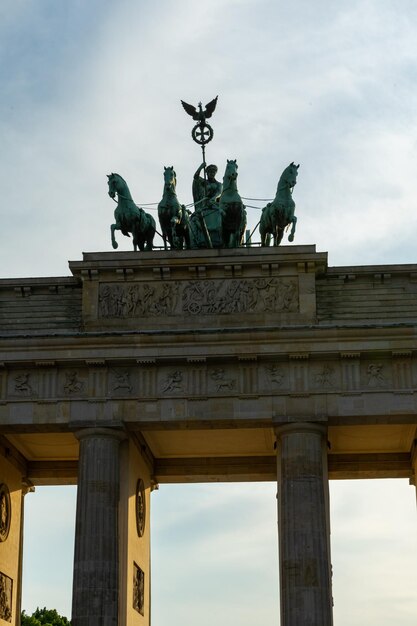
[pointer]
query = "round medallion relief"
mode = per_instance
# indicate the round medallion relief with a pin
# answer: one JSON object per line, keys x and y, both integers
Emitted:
{"x": 5, "y": 511}
{"x": 140, "y": 507}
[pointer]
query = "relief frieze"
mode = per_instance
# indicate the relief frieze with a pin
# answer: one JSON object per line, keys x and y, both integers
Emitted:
{"x": 198, "y": 297}
{"x": 6, "y": 587}
{"x": 324, "y": 377}
{"x": 376, "y": 376}
{"x": 222, "y": 382}
{"x": 190, "y": 379}
{"x": 138, "y": 589}
{"x": 5, "y": 512}
{"x": 173, "y": 382}
{"x": 22, "y": 384}
{"x": 73, "y": 385}
{"x": 121, "y": 382}
{"x": 275, "y": 375}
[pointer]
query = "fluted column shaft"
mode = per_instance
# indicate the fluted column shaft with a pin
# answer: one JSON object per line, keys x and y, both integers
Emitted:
{"x": 96, "y": 571}
{"x": 304, "y": 529}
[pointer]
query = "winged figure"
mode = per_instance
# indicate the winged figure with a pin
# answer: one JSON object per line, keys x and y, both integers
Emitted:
{"x": 198, "y": 114}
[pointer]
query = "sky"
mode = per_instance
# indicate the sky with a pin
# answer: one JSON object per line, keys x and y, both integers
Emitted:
{"x": 90, "y": 88}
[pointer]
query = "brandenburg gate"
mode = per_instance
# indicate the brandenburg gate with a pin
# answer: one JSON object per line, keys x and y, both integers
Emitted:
{"x": 240, "y": 364}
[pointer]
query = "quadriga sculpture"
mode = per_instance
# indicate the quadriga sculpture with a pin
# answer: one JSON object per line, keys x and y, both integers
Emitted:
{"x": 129, "y": 218}
{"x": 232, "y": 208}
{"x": 279, "y": 213}
{"x": 173, "y": 216}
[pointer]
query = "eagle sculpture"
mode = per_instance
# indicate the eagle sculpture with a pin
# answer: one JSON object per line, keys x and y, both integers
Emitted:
{"x": 198, "y": 114}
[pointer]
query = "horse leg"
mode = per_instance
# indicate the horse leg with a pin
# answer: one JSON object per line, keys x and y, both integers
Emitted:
{"x": 186, "y": 238}
{"x": 278, "y": 236}
{"x": 149, "y": 240}
{"x": 266, "y": 239}
{"x": 114, "y": 243}
{"x": 294, "y": 223}
{"x": 164, "y": 238}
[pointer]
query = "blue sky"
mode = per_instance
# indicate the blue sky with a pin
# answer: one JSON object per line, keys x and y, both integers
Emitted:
{"x": 90, "y": 88}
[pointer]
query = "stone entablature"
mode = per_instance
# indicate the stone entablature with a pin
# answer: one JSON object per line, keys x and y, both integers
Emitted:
{"x": 289, "y": 286}
{"x": 284, "y": 383}
{"x": 37, "y": 306}
{"x": 244, "y": 375}
{"x": 191, "y": 328}
{"x": 229, "y": 288}
{"x": 385, "y": 294}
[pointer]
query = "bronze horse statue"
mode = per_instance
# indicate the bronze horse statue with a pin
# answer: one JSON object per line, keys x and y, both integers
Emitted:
{"x": 130, "y": 218}
{"x": 279, "y": 214}
{"x": 232, "y": 208}
{"x": 173, "y": 216}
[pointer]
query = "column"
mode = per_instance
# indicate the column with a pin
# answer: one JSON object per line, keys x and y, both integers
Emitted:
{"x": 27, "y": 487}
{"x": 413, "y": 479}
{"x": 96, "y": 560}
{"x": 303, "y": 523}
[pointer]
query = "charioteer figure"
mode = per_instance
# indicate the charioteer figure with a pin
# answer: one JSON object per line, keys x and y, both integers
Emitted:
{"x": 206, "y": 191}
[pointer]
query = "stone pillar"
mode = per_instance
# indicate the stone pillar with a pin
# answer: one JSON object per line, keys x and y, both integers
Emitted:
{"x": 27, "y": 487}
{"x": 95, "y": 599}
{"x": 11, "y": 475}
{"x": 136, "y": 485}
{"x": 413, "y": 479}
{"x": 304, "y": 528}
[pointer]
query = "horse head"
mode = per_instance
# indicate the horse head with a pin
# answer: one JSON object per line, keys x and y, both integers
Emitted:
{"x": 230, "y": 173}
{"x": 289, "y": 176}
{"x": 231, "y": 169}
{"x": 116, "y": 184}
{"x": 170, "y": 178}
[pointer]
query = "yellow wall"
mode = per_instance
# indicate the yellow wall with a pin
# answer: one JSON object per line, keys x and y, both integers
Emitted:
{"x": 132, "y": 547}
{"x": 10, "y": 549}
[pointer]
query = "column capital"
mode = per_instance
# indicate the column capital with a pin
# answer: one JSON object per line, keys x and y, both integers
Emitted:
{"x": 115, "y": 433}
{"x": 301, "y": 427}
{"x": 27, "y": 486}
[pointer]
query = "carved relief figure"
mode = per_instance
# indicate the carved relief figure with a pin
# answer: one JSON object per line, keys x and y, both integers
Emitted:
{"x": 375, "y": 375}
{"x": 5, "y": 597}
{"x": 122, "y": 381}
{"x": 138, "y": 589}
{"x": 22, "y": 385}
{"x": 5, "y": 512}
{"x": 140, "y": 507}
{"x": 173, "y": 382}
{"x": 104, "y": 300}
{"x": 73, "y": 384}
{"x": 219, "y": 376}
{"x": 275, "y": 375}
{"x": 137, "y": 300}
{"x": 198, "y": 297}
{"x": 166, "y": 300}
{"x": 277, "y": 295}
{"x": 324, "y": 378}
